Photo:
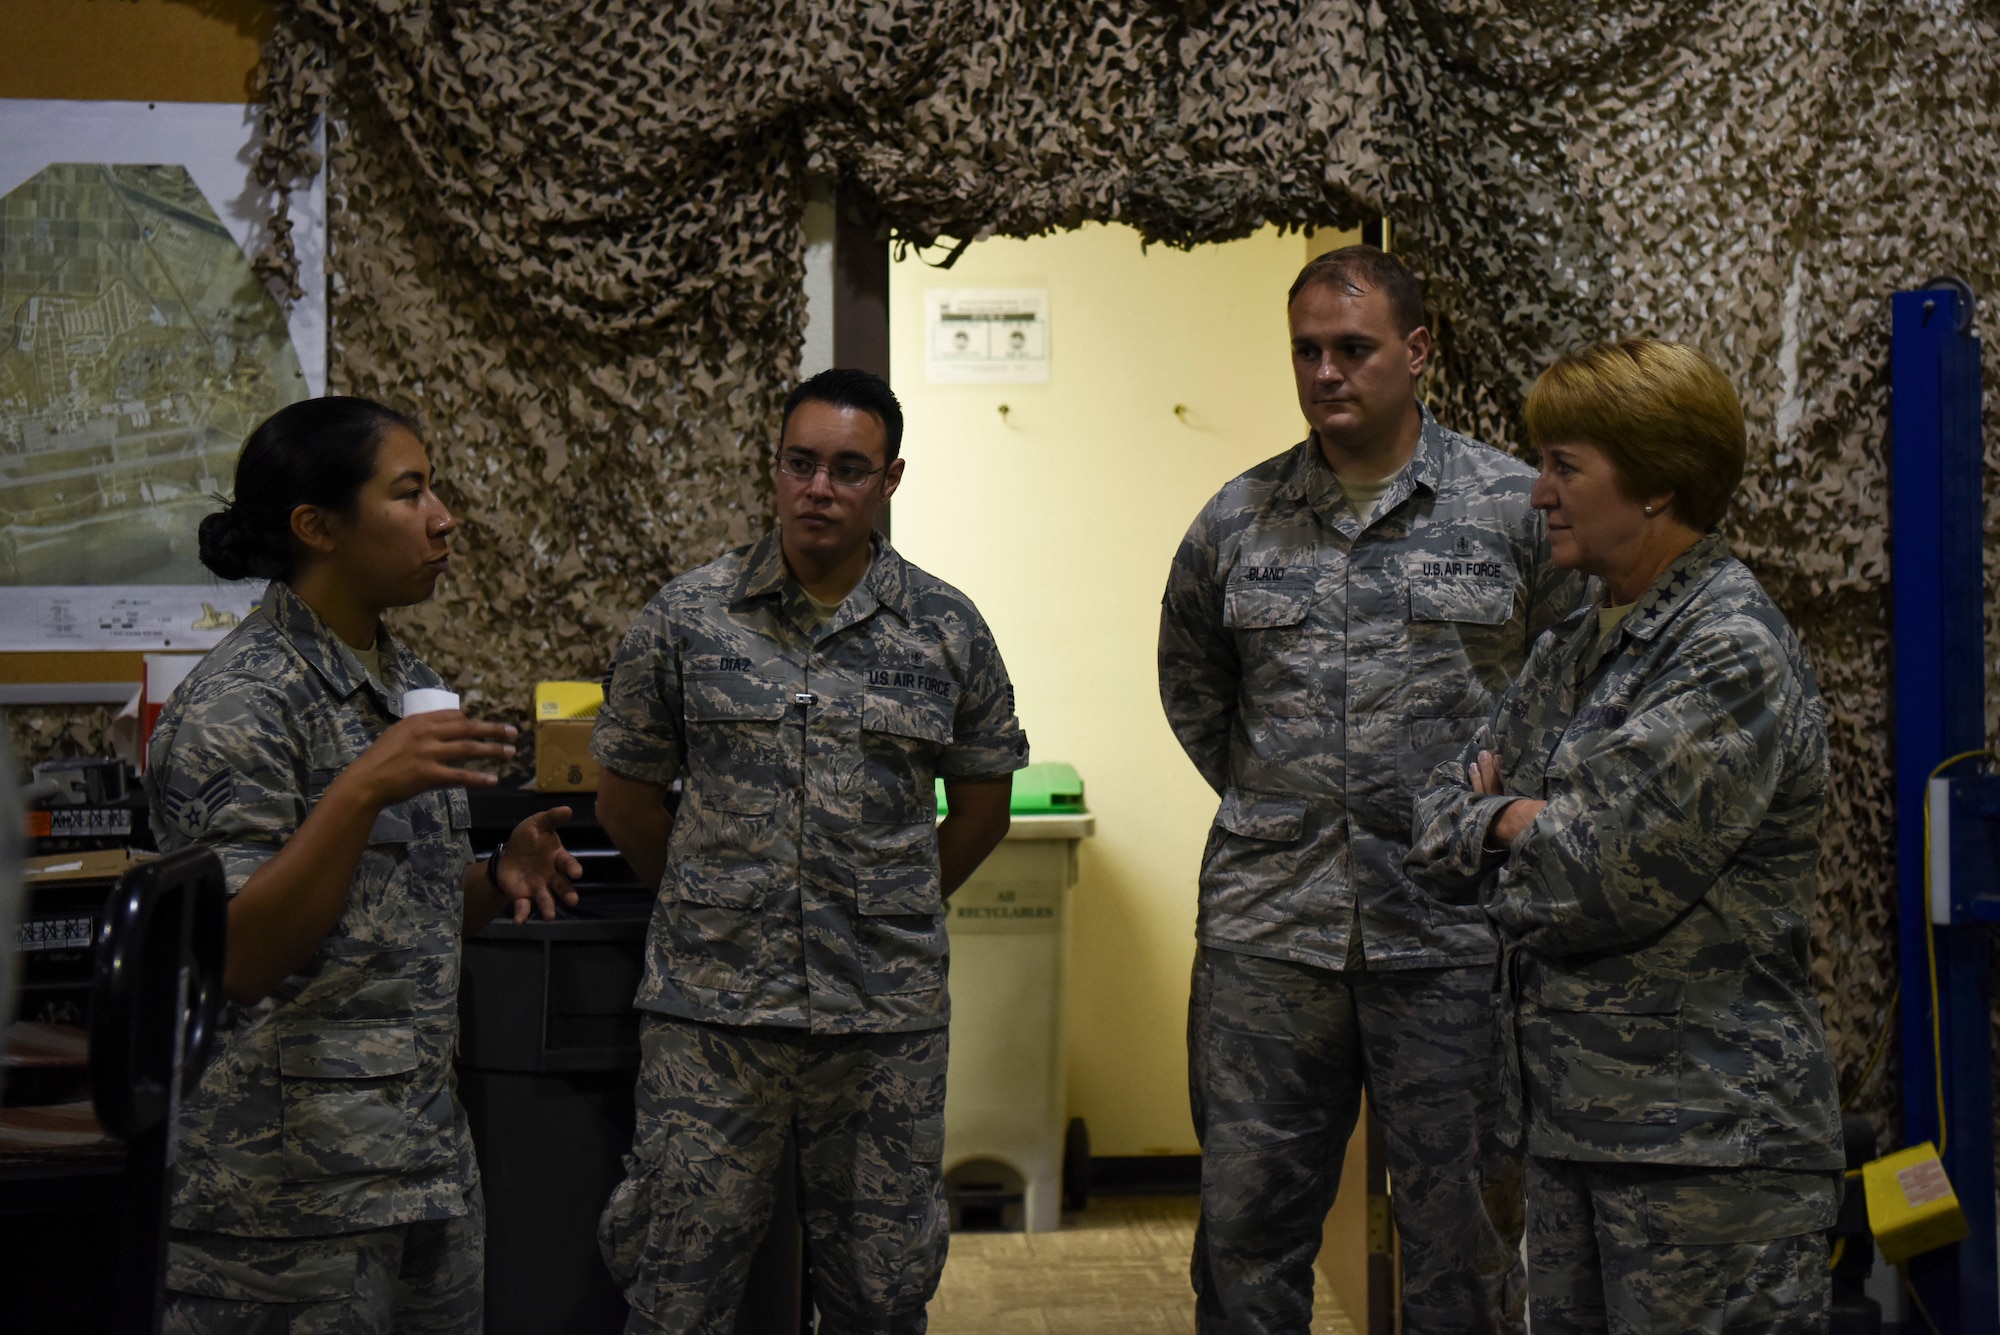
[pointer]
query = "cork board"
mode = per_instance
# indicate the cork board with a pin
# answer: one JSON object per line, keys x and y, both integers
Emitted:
{"x": 134, "y": 50}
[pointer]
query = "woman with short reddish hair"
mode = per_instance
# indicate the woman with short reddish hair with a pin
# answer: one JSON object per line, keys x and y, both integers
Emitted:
{"x": 1641, "y": 819}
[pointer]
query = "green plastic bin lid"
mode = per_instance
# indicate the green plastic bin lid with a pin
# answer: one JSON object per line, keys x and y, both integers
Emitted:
{"x": 1048, "y": 789}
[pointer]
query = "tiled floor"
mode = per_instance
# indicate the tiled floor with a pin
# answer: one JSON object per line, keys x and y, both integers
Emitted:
{"x": 1118, "y": 1268}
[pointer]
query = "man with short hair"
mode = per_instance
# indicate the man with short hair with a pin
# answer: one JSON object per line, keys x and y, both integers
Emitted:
{"x": 806, "y": 691}
{"x": 1338, "y": 620}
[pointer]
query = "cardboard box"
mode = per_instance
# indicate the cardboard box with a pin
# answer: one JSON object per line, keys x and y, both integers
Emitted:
{"x": 565, "y": 712}
{"x": 567, "y": 699}
{"x": 562, "y": 756}
{"x": 1911, "y": 1206}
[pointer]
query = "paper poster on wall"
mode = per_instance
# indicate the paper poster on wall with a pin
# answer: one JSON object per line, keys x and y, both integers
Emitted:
{"x": 43, "y": 619}
{"x": 137, "y": 349}
{"x": 986, "y": 335}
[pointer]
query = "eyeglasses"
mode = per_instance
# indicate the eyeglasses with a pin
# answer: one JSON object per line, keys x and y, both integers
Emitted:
{"x": 842, "y": 472}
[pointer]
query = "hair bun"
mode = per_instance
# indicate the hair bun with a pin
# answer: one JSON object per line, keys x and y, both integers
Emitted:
{"x": 232, "y": 549}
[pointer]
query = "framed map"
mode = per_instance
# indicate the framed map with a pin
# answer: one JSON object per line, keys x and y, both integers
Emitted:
{"x": 137, "y": 350}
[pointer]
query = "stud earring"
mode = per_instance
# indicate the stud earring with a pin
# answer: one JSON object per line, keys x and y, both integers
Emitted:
{"x": 1649, "y": 511}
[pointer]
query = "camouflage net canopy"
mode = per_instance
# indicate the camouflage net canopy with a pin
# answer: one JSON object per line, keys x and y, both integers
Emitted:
{"x": 569, "y": 233}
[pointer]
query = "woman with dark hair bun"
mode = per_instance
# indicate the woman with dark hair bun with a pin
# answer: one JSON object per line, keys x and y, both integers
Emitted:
{"x": 324, "y": 1176}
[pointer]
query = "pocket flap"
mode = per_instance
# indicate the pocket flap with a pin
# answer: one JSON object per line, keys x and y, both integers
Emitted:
{"x": 1261, "y": 816}
{"x": 910, "y": 891}
{"x": 1480, "y": 602}
{"x": 1739, "y": 1206}
{"x": 734, "y": 696}
{"x": 724, "y": 883}
{"x": 736, "y": 799}
{"x": 349, "y": 1052}
{"x": 1255, "y": 604}
{"x": 264, "y": 1270}
{"x": 1428, "y": 733}
{"x": 392, "y": 825}
{"x": 1629, "y": 996}
{"x": 460, "y": 808}
{"x": 919, "y": 716}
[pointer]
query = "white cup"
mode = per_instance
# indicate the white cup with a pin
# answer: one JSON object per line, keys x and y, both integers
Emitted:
{"x": 428, "y": 700}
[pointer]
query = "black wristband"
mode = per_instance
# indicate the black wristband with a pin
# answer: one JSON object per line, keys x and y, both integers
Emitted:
{"x": 493, "y": 867}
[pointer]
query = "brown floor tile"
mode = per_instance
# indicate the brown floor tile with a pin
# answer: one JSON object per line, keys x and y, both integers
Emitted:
{"x": 1118, "y": 1268}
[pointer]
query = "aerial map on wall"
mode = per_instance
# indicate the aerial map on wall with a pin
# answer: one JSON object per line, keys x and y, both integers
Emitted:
{"x": 140, "y": 351}
{"x": 137, "y": 349}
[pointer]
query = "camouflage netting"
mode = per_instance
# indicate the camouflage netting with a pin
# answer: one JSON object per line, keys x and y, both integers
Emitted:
{"x": 569, "y": 233}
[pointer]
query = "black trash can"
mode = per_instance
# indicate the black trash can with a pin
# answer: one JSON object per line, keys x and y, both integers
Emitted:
{"x": 548, "y": 1056}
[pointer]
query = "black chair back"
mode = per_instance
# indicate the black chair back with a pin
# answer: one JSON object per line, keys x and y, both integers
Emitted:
{"x": 155, "y": 1001}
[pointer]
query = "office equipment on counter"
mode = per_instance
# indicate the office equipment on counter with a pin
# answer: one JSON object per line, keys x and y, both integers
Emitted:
{"x": 84, "y": 803}
{"x": 565, "y": 712}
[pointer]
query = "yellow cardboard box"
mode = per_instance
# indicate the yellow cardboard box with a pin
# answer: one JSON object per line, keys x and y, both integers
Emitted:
{"x": 567, "y": 699}
{"x": 1911, "y": 1206}
{"x": 564, "y": 714}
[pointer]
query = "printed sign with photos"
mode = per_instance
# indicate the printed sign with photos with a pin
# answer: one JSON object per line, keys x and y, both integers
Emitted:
{"x": 986, "y": 336}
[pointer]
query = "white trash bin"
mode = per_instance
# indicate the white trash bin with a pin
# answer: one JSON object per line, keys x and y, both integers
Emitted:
{"x": 1006, "y": 1097}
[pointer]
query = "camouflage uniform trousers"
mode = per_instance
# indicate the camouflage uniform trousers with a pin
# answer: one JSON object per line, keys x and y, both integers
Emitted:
{"x": 716, "y": 1106}
{"x": 423, "y": 1278}
{"x": 1657, "y": 1249}
{"x": 1279, "y": 1054}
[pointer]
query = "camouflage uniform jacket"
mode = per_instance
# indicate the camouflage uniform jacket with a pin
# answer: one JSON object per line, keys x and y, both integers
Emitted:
{"x": 802, "y": 885}
{"x": 1657, "y": 910}
{"x": 1316, "y": 669}
{"x": 329, "y": 1105}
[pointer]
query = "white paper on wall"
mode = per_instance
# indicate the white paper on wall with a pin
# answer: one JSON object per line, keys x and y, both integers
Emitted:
{"x": 986, "y": 336}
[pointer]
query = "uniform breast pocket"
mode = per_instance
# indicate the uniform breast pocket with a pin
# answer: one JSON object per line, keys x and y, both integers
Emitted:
{"x": 1460, "y": 630}
{"x": 362, "y": 1099}
{"x": 733, "y": 736}
{"x": 1283, "y": 662}
{"x": 1255, "y": 604}
{"x": 1613, "y": 1050}
{"x": 902, "y": 736}
{"x": 393, "y": 846}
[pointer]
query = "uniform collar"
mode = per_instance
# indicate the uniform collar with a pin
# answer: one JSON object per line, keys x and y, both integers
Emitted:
{"x": 330, "y": 655}
{"x": 1656, "y": 607}
{"x": 886, "y": 584}
{"x": 1311, "y": 479}
{"x": 1676, "y": 585}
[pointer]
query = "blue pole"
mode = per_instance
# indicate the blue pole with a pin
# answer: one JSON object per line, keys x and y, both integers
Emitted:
{"x": 1939, "y": 594}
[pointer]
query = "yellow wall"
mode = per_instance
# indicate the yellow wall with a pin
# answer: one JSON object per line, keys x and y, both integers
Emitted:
{"x": 133, "y": 50}
{"x": 1059, "y": 519}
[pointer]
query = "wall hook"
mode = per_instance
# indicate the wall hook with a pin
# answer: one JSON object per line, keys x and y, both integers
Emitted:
{"x": 1003, "y": 412}
{"x": 1181, "y": 411}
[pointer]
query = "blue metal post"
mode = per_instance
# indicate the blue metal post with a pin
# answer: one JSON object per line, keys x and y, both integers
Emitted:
{"x": 1939, "y": 593}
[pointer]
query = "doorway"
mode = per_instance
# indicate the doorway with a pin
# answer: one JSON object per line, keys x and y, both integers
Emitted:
{"x": 1057, "y": 507}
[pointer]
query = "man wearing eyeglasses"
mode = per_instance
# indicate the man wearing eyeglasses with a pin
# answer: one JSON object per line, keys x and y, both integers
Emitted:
{"x": 806, "y": 691}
